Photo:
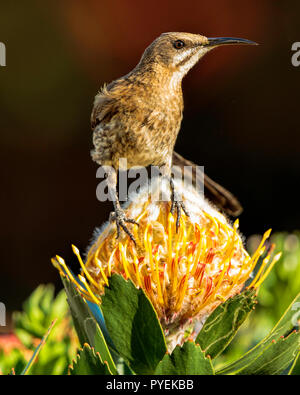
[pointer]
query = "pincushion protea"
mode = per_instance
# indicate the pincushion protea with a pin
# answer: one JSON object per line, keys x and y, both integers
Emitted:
{"x": 185, "y": 274}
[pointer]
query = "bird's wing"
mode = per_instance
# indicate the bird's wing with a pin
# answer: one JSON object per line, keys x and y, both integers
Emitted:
{"x": 214, "y": 192}
{"x": 103, "y": 109}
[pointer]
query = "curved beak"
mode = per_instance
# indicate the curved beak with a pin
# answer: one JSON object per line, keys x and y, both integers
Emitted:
{"x": 216, "y": 41}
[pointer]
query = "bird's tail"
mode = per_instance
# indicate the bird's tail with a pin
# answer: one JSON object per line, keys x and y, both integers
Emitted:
{"x": 214, "y": 192}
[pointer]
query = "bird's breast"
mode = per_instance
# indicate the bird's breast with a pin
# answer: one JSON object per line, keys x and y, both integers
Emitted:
{"x": 140, "y": 125}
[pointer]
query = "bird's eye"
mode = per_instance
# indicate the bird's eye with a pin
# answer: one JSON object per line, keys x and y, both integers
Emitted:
{"x": 178, "y": 44}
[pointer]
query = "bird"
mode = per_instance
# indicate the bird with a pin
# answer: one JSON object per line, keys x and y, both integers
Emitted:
{"x": 138, "y": 117}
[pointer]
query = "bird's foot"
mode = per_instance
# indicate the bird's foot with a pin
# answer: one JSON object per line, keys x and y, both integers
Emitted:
{"x": 120, "y": 219}
{"x": 177, "y": 205}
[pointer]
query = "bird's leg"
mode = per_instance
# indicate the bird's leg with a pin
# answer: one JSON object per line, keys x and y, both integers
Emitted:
{"x": 118, "y": 216}
{"x": 176, "y": 203}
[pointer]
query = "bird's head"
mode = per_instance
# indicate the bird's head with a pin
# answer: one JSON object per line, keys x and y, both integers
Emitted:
{"x": 179, "y": 52}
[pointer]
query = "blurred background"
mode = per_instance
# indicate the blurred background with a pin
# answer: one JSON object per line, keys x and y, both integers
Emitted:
{"x": 241, "y": 118}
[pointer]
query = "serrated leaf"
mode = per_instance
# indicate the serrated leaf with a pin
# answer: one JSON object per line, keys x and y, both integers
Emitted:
{"x": 86, "y": 326}
{"x": 222, "y": 325}
{"x": 88, "y": 362}
{"x": 275, "y": 358}
{"x": 133, "y": 325}
{"x": 186, "y": 360}
{"x": 283, "y": 328}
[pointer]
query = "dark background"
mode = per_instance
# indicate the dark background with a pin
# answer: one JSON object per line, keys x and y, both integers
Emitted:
{"x": 241, "y": 118}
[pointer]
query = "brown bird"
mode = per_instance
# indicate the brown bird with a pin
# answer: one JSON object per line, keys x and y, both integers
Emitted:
{"x": 138, "y": 117}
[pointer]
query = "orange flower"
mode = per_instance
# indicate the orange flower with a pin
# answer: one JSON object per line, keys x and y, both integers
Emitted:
{"x": 185, "y": 274}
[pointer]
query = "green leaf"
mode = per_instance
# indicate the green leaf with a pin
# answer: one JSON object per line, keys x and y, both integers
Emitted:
{"x": 185, "y": 360}
{"x": 13, "y": 362}
{"x": 222, "y": 325}
{"x": 87, "y": 329}
{"x": 275, "y": 358}
{"x": 37, "y": 350}
{"x": 283, "y": 328}
{"x": 295, "y": 368}
{"x": 39, "y": 310}
{"x": 89, "y": 362}
{"x": 133, "y": 325}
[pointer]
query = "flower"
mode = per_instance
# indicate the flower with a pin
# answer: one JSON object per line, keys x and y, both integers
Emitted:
{"x": 186, "y": 273}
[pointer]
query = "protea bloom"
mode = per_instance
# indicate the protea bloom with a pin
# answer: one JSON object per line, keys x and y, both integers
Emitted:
{"x": 186, "y": 273}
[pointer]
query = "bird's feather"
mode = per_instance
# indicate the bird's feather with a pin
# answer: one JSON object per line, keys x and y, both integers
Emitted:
{"x": 214, "y": 192}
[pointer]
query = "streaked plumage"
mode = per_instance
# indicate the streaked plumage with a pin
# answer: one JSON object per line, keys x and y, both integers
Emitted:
{"x": 138, "y": 116}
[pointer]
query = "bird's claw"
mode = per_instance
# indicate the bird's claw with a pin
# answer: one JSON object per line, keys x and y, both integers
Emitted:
{"x": 177, "y": 205}
{"x": 120, "y": 219}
